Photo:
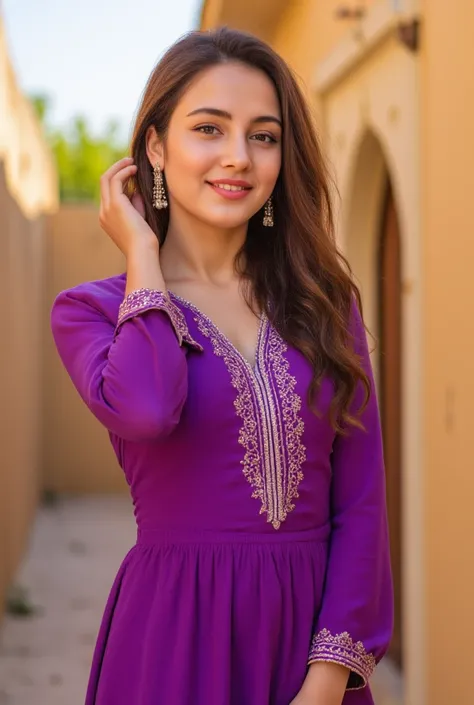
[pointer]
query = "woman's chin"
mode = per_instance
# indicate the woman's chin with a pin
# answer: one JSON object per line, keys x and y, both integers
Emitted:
{"x": 225, "y": 222}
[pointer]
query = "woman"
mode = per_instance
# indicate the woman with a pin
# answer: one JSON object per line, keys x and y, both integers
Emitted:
{"x": 230, "y": 367}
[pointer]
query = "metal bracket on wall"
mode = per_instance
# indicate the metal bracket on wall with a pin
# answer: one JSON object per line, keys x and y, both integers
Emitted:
{"x": 409, "y": 34}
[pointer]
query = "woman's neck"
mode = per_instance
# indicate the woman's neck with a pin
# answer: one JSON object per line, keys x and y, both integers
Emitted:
{"x": 201, "y": 253}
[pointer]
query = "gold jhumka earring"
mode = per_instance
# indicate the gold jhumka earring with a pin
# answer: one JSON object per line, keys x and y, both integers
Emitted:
{"x": 268, "y": 214}
{"x": 159, "y": 194}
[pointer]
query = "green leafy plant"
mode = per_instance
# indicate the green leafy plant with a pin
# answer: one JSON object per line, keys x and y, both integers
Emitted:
{"x": 81, "y": 156}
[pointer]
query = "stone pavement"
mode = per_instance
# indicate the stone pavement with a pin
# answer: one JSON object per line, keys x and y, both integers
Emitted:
{"x": 75, "y": 551}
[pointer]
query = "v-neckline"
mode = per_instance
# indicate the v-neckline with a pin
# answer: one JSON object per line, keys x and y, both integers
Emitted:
{"x": 252, "y": 367}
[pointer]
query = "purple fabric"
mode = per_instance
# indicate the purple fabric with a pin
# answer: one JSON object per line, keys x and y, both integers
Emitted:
{"x": 261, "y": 537}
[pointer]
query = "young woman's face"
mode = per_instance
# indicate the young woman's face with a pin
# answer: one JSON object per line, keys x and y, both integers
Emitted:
{"x": 223, "y": 147}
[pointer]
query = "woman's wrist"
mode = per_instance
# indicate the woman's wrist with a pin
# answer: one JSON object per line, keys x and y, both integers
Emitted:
{"x": 143, "y": 268}
{"x": 326, "y": 683}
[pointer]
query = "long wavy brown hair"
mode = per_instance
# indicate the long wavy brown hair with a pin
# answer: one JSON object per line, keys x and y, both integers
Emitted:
{"x": 297, "y": 275}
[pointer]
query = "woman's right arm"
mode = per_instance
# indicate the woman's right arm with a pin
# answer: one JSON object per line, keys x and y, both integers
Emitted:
{"x": 130, "y": 369}
{"x": 131, "y": 373}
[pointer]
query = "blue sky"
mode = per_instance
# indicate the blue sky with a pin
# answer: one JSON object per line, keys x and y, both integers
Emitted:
{"x": 92, "y": 57}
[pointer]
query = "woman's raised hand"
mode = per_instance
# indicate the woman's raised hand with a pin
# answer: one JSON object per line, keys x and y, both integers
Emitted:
{"x": 123, "y": 219}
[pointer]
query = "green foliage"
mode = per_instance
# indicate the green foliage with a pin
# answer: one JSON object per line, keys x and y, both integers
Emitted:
{"x": 81, "y": 157}
{"x": 41, "y": 104}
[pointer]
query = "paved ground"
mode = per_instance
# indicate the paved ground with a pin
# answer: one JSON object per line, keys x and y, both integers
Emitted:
{"x": 75, "y": 552}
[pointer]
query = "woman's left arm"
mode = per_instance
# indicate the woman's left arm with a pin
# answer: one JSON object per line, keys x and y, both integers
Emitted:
{"x": 354, "y": 625}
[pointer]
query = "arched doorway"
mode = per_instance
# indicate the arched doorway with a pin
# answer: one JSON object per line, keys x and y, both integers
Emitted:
{"x": 373, "y": 246}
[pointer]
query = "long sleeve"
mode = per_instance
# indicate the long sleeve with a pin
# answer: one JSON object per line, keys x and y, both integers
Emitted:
{"x": 126, "y": 358}
{"x": 354, "y": 624}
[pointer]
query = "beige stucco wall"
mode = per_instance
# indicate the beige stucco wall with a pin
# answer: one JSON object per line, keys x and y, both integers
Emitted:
{"x": 21, "y": 272}
{"x": 77, "y": 453}
{"x": 29, "y": 166}
{"x": 447, "y": 148}
{"x": 295, "y": 34}
{"x": 28, "y": 191}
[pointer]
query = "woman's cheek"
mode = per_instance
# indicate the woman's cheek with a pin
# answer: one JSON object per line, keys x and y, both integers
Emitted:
{"x": 197, "y": 152}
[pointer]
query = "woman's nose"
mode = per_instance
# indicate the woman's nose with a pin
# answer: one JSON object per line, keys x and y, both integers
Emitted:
{"x": 237, "y": 153}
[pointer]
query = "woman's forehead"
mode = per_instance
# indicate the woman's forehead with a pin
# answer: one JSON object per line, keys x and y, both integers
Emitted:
{"x": 232, "y": 87}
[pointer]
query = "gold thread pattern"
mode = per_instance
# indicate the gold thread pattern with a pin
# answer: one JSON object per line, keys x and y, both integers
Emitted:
{"x": 244, "y": 404}
{"x": 268, "y": 407}
{"x": 142, "y": 300}
{"x": 340, "y": 648}
{"x": 292, "y": 452}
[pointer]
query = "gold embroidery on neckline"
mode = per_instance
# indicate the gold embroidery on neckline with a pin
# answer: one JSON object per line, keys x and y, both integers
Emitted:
{"x": 269, "y": 407}
{"x": 287, "y": 422}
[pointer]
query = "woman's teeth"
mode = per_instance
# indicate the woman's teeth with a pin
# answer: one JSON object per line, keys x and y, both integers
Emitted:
{"x": 228, "y": 187}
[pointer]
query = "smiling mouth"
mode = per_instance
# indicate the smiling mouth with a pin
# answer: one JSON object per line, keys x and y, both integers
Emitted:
{"x": 229, "y": 187}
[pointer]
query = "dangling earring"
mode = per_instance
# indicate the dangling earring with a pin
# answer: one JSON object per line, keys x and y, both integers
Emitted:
{"x": 268, "y": 214}
{"x": 159, "y": 194}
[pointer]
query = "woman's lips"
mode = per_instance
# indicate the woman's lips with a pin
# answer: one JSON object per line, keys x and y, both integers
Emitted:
{"x": 233, "y": 193}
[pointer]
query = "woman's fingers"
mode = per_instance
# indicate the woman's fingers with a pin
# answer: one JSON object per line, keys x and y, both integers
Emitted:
{"x": 106, "y": 177}
{"x": 115, "y": 168}
{"x": 123, "y": 217}
{"x": 117, "y": 180}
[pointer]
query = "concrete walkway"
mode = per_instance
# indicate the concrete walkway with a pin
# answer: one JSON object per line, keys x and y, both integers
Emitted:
{"x": 75, "y": 552}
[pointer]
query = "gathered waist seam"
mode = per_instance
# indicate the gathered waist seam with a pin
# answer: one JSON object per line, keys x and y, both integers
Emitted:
{"x": 189, "y": 536}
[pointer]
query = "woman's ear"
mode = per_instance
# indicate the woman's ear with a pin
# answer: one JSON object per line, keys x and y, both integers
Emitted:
{"x": 154, "y": 148}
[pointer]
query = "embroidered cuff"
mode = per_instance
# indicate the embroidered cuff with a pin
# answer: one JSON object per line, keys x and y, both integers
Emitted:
{"x": 142, "y": 300}
{"x": 340, "y": 648}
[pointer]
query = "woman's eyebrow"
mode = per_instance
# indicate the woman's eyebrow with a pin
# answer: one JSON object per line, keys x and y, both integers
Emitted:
{"x": 224, "y": 114}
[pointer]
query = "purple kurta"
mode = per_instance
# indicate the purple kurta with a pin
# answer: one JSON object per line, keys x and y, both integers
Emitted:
{"x": 261, "y": 536}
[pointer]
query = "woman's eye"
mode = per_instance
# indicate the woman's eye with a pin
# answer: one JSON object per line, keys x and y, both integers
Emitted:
{"x": 206, "y": 129}
{"x": 263, "y": 137}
